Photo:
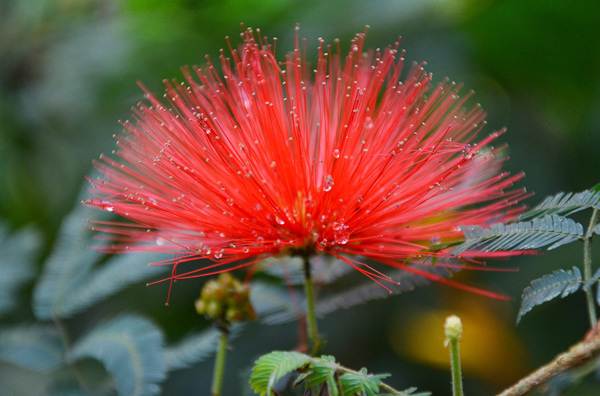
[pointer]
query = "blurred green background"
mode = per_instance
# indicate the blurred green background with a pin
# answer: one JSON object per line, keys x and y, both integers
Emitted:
{"x": 68, "y": 72}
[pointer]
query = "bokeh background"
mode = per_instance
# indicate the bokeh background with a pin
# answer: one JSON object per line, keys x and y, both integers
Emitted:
{"x": 68, "y": 73}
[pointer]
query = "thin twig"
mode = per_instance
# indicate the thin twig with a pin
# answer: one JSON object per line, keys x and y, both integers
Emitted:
{"x": 578, "y": 354}
{"x": 587, "y": 267}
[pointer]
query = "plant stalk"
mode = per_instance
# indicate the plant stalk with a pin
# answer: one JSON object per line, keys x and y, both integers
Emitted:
{"x": 219, "y": 369}
{"x": 311, "y": 318}
{"x": 457, "y": 386}
{"x": 587, "y": 268}
{"x": 453, "y": 329}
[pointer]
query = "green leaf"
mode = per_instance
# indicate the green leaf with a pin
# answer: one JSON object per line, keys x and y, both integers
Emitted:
{"x": 568, "y": 203}
{"x": 321, "y": 370}
{"x": 130, "y": 348}
{"x": 559, "y": 283}
{"x": 270, "y": 368}
{"x": 597, "y": 229}
{"x": 361, "y": 383}
{"x": 70, "y": 283}
{"x": 551, "y": 230}
{"x": 33, "y": 348}
{"x": 17, "y": 254}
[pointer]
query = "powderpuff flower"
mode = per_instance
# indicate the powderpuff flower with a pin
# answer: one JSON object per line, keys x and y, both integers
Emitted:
{"x": 263, "y": 158}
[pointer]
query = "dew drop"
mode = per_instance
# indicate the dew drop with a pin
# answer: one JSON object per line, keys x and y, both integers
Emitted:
{"x": 328, "y": 184}
{"x": 245, "y": 249}
{"x": 342, "y": 238}
{"x": 109, "y": 209}
{"x": 336, "y": 153}
{"x": 467, "y": 154}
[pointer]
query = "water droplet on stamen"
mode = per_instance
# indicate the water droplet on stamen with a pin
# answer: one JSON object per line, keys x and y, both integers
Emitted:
{"x": 336, "y": 153}
{"x": 328, "y": 184}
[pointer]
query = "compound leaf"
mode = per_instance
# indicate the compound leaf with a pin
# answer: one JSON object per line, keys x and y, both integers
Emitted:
{"x": 559, "y": 283}
{"x": 568, "y": 203}
{"x": 322, "y": 370}
{"x": 131, "y": 350}
{"x": 361, "y": 383}
{"x": 70, "y": 283}
{"x": 551, "y": 230}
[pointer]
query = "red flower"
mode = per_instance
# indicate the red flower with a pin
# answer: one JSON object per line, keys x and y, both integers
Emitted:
{"x": 271, "y": 158}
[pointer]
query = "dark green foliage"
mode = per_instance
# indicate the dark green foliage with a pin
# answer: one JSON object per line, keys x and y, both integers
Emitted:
{"x": 131, "y": 350}
{"x": 559, "y": 283}
{"x": 551, "y": 230}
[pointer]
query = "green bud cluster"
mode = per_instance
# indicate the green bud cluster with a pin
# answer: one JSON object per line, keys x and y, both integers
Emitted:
{"x": 226, "y": 298}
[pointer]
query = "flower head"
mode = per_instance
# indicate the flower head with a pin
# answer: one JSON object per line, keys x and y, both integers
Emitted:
{"x": 266, "y": 158}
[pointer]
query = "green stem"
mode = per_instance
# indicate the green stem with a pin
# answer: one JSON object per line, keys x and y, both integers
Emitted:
{"x": 219, "y": 369}
{"x": 311, "y": 318}
{"x": 587, "y": 267}
{"x": 457, "y": 386}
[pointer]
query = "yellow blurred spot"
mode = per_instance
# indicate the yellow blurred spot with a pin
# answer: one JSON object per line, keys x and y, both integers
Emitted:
{"x": 489, "y": 348}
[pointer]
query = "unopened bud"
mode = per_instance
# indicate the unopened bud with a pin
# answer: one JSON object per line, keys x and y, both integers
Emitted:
{"x": 453, "y": 328}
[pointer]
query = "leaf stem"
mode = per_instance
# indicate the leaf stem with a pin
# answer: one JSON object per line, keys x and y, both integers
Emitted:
{"x": 219, "y": 369}
{"x": 587, "y": 267}
{"x": 311, "y": 318}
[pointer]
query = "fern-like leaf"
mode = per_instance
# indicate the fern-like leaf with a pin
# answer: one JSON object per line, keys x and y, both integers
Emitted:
{"x": 551, "y": 230}
{"x": 130, "y": 348}
{"x": 270, "y": 368}
{"x": 559, "y": 283}
{"x": 562, "y": 203}
{"x": 192, "y": 349}
{"x": 33, "y": 348}
{"x": 196, "y": 348}
{"x": 17, "y": 253}
{"x": 368, "y": 291}
{"x": 361, "y": 383}
{"x": 70, "y": 283}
